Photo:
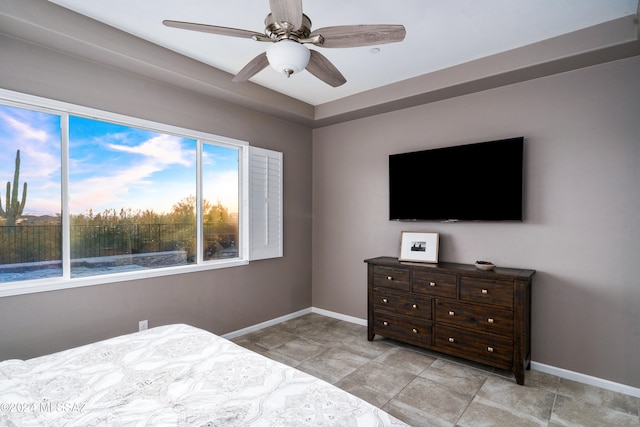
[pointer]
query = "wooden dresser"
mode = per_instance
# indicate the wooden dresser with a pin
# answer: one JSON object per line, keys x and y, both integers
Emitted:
{"x": 484, "y": 316}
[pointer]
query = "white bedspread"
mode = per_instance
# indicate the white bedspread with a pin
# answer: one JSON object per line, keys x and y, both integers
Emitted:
{"x": 174, "y": 375}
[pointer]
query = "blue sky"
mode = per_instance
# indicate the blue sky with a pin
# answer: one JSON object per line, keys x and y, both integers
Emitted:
{"x": 111, "y": 166}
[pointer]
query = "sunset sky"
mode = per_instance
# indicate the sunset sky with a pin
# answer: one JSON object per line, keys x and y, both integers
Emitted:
{"x": 111, "y": 166}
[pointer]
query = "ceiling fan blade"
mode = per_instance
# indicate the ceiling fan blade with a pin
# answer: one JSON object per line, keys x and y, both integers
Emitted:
{"x": 254, "y": 66}
{"x": 213, "y": 29}
{"x": 359, "y": 35}
{"x": 287, "y": 11}
{"x": 323, "y": 69}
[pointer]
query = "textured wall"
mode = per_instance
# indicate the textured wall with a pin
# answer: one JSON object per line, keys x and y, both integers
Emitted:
{"x": 218, "y": 300}
{"x": 581, "y": 204}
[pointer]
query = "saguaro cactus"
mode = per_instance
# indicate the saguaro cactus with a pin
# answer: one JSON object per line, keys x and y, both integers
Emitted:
{"x": 13, "y": 208}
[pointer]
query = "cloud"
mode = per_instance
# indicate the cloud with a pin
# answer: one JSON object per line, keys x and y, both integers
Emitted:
{"x": 24, "y": 130}
{"x": 110, "y": 188}
{"x": 130, "y": 184}
{"x": 163, "y": 149}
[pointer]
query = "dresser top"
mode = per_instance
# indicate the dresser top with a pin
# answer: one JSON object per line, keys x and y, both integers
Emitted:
{"x": 453, "y": 267}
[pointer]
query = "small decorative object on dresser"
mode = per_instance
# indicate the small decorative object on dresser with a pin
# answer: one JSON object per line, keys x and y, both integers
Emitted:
{"x": 458, "y": 309}
{"x": 485, "y": 265}
{"x": 418, "y": 247}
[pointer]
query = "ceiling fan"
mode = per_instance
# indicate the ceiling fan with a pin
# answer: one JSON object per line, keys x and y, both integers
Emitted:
{"x": 288, "y": 29}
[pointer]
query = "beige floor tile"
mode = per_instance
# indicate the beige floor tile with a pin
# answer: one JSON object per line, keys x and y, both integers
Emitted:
{"x": 306, "y": 322}
{"x": 333, "y": 364}
{"x": 522, "y": 399}
{"x": 385, "y": 380}
{"x": 327, "y": 335}
{"x": 352, "y": 329}
{"x": 465, "y": 362}
{"x": 568, "y": 411}
{"x": 484, "y": 412}
{"x": 360, "y": 345}
{"x": 300, "y": 349}
{"x": 271, "y": 354}
{"x": 406, "y": 360}
{"x": 464, "y": 379}
{"x": 363, "y": 392}
{"x": 542, "y": 380}
{"x": 435, "y": 399}
{"x": 599, "y": 396}
{"x": 270, "y": 337}
{"x": 414, "y": 416}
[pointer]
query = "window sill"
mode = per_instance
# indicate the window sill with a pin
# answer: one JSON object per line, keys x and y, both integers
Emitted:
{"x": 59, "y": 283}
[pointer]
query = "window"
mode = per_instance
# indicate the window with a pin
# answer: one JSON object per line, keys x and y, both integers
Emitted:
{"x": 220, "y": 220}
{"x": 141, "y": 198}
{"x": 132, "y": 202}
{"x": 30, "y": 159}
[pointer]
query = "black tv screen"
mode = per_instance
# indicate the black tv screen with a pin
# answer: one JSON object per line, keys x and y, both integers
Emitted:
{"x": 476, "y": 182}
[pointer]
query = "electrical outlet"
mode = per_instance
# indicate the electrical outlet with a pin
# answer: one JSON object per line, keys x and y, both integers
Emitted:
{"x": 143, "y": 325}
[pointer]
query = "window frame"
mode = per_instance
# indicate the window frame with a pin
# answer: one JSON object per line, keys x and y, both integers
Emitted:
{"x": 63, "y": 109}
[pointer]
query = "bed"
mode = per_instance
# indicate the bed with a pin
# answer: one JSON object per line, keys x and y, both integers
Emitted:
{"x": 174, "y": 375}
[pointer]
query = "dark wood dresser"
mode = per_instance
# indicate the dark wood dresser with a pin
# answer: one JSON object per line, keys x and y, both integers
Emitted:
{"x": 484, "y": 316}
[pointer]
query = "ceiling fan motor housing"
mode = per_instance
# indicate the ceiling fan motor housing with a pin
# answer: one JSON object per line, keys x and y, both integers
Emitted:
{"x": 283, "y": 30}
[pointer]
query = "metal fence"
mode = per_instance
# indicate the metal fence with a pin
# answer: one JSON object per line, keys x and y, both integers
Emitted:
{"x": 32, "y": 243}
{"x": 92, "y": 241}
{"x": 36, "y": 243}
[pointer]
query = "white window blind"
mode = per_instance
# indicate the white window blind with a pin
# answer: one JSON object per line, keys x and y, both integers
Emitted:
{"x": 265, "y": 204}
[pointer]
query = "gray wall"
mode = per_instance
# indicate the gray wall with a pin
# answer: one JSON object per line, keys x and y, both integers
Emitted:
{"x": 581, "y": 230}
{"x": 219, "y": 300}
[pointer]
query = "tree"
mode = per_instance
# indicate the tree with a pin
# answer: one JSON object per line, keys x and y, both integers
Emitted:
{"x": 184, "y": 212}
{"x": 14, "y": 209}
{"x": 216, "y": 214}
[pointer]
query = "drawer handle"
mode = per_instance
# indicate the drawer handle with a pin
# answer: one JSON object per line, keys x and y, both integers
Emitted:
{"x": 490, "y": 349}
{"x": 384, "y": 300}
{"x": 385, "y": 323}
{"x": 490, "y": 320}
{"x": 414, "y": 330}
{"x": 452, "y": 339}
{"x": 415, "y": 306}
{"x": 389, "y": 278}
{"x": 452, "y": 313}
{"x": 432, "y": 284}
{"x": 484, "y": 291}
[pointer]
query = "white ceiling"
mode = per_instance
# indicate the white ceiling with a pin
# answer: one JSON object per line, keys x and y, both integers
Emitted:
{"x": 440, "y": 33}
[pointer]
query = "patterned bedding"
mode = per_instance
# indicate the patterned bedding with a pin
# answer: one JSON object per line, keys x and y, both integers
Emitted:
{"x": 174, "y": 375}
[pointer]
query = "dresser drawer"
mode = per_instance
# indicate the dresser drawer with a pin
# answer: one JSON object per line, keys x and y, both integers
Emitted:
{"x": 401, "y": 303}
{"x": 479, "y": 318}
{"x": 488, "y": 348}
{"x": 436, "y": 284}
{"x": 417, "y": 332}
{"x": 391, "y": 278}
{"x": 497, "y": 292}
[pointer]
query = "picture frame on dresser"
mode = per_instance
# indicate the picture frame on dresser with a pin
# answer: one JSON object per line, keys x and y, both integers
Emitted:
{"x": 419, "y": 247}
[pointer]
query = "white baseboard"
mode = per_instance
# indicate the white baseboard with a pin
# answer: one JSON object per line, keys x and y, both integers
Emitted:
{"x": 244, "y": 331}
{"x": 541, "y": 367}
{"x": 586, "y": 379}
{"x": 350, "y": 319}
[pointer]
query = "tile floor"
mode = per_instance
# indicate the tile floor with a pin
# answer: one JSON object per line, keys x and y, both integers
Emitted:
{"x": 425, "y": 388}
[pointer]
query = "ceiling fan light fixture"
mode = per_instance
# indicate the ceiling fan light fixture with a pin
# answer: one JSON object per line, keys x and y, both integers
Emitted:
{"x": 288, "y": 56}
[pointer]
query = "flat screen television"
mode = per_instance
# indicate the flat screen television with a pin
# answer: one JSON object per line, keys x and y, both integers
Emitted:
{"x": 473, "y": 182}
